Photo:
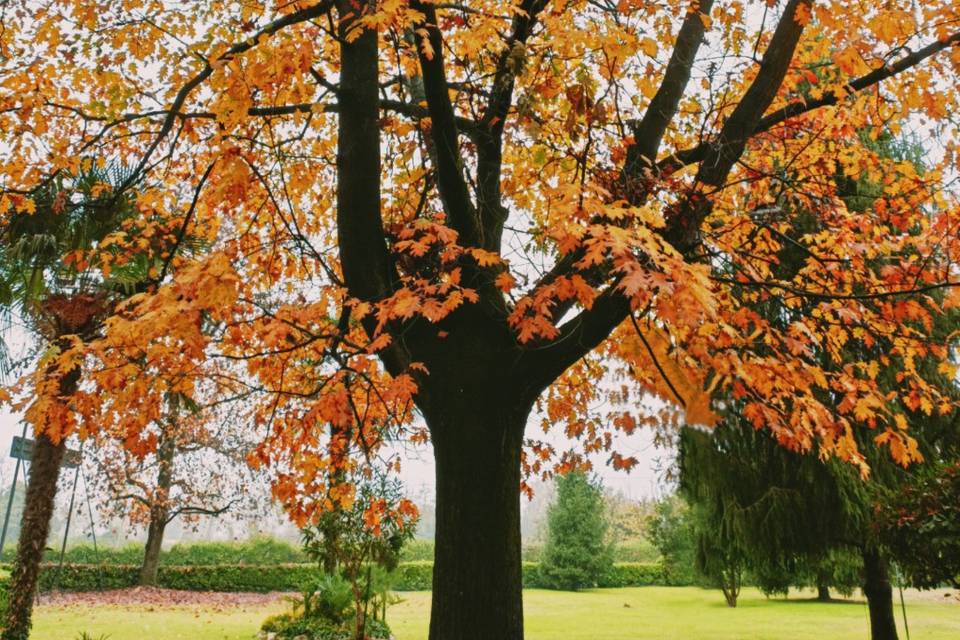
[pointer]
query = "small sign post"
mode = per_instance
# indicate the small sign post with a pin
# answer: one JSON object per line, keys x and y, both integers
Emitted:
{"x": 21, "y": 449}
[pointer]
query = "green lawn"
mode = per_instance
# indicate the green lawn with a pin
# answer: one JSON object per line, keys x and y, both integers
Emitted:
{"x": 607, "y": 614}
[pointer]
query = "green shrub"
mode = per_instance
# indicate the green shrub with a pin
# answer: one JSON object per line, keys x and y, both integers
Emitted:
{"x": 226, "y": 578}
{"x": 326, "y": 596}
{"x": 636, "y": 550}
{"x": 377, "y": 629}
{"x": 413, "y": 576}
{"x": 634, "y": 574}
{"x": 278, "y": 622}
{"x": 417, "y": 550}
{"x": 289, "y": 626}
{"x": 261, "y": 550}
{"x": 408, "y": 576}
{"x": 85, "y": 554}
{"x": 87, "y": 577}
{"x": 4, "y": 584}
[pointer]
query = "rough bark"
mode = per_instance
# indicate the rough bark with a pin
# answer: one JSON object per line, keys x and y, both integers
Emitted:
{"x": 151, "y": 553}
{"x": 476, "y": 574}
{"x": 159, "y": 513}
{"x": 879, "y": 593}
{"x": 35, "y": 525}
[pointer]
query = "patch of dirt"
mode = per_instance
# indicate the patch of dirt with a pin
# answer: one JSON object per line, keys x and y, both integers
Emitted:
{"x": 950, "y": 596}
{"x": 150, "y": 598}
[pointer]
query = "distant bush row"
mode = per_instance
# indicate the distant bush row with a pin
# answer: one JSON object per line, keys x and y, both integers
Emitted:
{"x": 271, "y": 551}
{"x": 255, "y": 551}
{"x": 409, "y": 576}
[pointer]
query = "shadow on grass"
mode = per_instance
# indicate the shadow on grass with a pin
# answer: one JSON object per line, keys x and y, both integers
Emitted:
{"x": 819, "y": 601}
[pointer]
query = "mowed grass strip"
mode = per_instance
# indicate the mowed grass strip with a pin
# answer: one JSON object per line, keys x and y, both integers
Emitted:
{"x": 605, "y": 614}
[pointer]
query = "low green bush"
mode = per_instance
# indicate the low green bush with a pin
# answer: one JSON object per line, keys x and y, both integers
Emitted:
{"x": 85, "y": 554}
{"x": 261, "y": 550}
{"x": 4, "y": 583}
{"x": 289, "y": 626}
{"x": 257, "y": 578}
{"x": 634, "y": 574}
{"x": 417, "y": 550}
{"x": 636, "y": 550}
{"x": 87, "y": 577}
{"x": 409, "y": 576}
{"x": 413, "y": 576}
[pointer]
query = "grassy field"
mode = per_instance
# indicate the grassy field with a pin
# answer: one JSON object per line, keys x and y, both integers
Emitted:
{"x": 608, "y": 614}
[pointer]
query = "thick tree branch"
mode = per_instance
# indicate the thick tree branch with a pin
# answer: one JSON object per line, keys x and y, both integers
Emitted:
{"x": 649, "y": 132}
{"x": 696, "y": 154}
{"x": 578, "y": 337}
{"x": 589, "y": 328}
{"x": 683, "y": 226}
{"x": 364, "y": 256}
{"x": 489, "y": 136}
{"x": 443, "y": 128}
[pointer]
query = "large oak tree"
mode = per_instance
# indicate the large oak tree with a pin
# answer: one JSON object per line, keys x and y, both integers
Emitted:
{"x": 446, "y": 214}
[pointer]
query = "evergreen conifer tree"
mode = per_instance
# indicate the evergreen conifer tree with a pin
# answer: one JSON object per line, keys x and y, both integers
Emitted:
{"x": 577, "y": 553}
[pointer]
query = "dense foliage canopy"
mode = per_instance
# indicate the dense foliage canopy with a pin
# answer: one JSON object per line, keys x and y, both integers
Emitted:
{"x": 455, "y": 212}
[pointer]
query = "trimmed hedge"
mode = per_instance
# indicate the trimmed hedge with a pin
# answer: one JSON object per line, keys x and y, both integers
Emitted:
{"x": 410, "y": 576}
{"x": 261, "y": 550}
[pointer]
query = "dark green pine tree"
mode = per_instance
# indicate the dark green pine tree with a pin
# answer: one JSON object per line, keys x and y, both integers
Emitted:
{"x": 577, "y": 553}
{"x": 792, "y": 518}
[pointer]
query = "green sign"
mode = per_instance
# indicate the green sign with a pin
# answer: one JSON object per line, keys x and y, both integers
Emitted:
{"x": 22, "y": 448}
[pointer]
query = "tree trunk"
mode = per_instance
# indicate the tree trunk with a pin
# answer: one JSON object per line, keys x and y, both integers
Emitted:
{"x": 35, "y": 523}
{"x": 730, "y": 585}
{"x": 159, "y": 511}
{"x": 477, "y": 578}
{"x": 823, "y": 593}
{"x": 37, "y": 512}
{"x": 879, "y": 593}
{"x": 151, "y": 554}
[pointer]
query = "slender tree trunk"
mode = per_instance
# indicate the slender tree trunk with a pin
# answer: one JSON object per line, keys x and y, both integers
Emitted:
{"x": 35, "y": 524}
{"x": 151, "y": 554}
{"x": 159, "y": 512}
{"x": 35, "y": 527}
{"x": 476, "y": 572}
{"x": 879, "y": 593}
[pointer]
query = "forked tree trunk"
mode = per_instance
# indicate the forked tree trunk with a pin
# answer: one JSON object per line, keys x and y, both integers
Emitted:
{"x": 879, "y": 593}
{"x": 730, "y": 585}
{"x": 477, "y": 580}
{"x": 159, "y": 512}
{"x": 35, "y": 526}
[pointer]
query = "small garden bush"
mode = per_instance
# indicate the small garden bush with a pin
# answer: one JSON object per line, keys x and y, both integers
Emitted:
{"x": 417, "y": 550}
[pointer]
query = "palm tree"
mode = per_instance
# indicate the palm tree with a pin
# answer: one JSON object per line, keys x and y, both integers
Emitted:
{"x": 61, "y": 299}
